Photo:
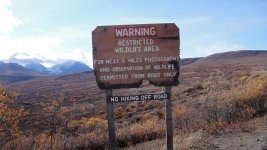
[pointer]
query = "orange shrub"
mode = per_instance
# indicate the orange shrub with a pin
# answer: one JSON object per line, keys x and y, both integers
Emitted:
{"x": 182, "y": 119}
{"x": 240, "y": 102}
{"x": 9, "y": 116}
{"x": 89, "y": 125}
{"x": 140, "y": 132}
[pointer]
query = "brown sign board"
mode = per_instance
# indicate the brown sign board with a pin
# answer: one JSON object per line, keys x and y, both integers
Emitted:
{"x": 125, "y": 55}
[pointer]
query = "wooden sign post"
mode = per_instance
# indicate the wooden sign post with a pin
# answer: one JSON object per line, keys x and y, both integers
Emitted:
{"x": 168, "y": 118}
{"x": 125, "y": 55}
{"x": 111, "y": 126}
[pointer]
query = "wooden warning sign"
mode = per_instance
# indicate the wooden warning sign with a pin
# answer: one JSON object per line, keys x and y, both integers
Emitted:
{"x": 125, "y": 55}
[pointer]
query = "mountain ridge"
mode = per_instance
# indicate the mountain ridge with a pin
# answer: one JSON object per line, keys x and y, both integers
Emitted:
{"x": 69, "y": 67}
{"x": 224, "y": 56}
{"x": 14, "y": 72}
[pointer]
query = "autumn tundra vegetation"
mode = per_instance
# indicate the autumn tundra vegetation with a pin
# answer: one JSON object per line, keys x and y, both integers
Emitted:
{"x": 210, "y": 101}
{"x": 227, "y": 102}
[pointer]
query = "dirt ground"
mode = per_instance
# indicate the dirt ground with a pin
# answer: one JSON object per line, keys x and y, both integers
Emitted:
{"x": 252, "y": 136}
{"x": 249, "y": 140}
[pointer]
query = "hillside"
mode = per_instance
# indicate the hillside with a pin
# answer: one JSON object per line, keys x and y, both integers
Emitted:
{"x": 12, "y": 72}
{"x": 187, "y": 61}
{"x": 253, "y": 58}
{"x": 204, "y": 82}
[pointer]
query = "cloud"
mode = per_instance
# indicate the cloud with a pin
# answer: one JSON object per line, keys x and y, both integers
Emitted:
{"x": 24, "y": 58}
{"x": 8, "y": 20}
{"x": 45, "y": 59}
{"x": 48, "y": 48}
{"x": 77, "y": 54}
{"x": 74, "y": 32}
{"x": 30, "y": 45}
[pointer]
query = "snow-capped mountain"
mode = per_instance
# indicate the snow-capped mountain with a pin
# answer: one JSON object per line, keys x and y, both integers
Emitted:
{"x": 38, "y": 68}
{"x": 69, "y": 67}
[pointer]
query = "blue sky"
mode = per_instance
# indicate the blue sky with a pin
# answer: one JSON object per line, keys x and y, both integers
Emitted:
{"x": 51, "y": 31}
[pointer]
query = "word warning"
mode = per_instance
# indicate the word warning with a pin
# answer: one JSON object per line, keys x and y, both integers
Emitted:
{"x": 125, "y": 55}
